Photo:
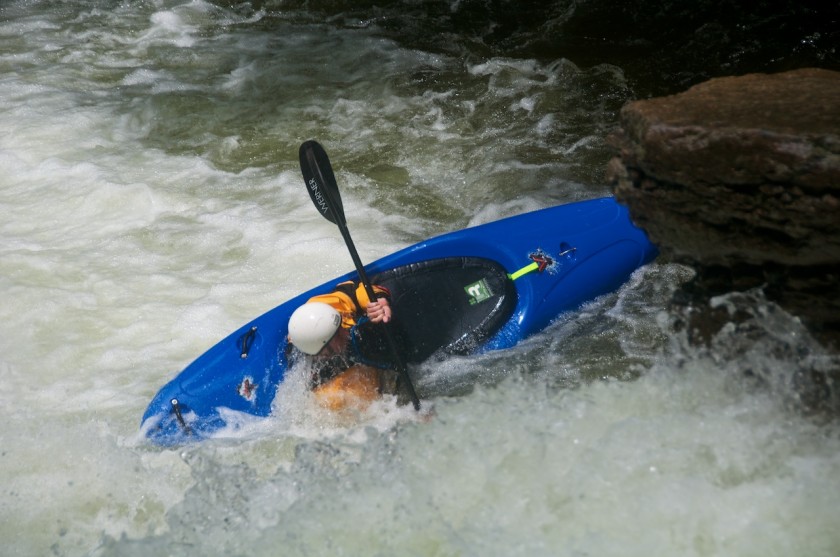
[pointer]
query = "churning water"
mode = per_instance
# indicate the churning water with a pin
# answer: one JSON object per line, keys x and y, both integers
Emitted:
{"x": 151, "y": 202}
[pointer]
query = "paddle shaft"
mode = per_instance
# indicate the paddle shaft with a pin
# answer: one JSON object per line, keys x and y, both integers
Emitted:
{"x": 327, "y": 200}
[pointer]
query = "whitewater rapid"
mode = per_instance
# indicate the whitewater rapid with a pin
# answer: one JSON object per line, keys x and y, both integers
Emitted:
{"x": 152, "y": 203}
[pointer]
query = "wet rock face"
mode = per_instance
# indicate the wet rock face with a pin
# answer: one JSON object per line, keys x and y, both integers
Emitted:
{"x": 740, "y": 178}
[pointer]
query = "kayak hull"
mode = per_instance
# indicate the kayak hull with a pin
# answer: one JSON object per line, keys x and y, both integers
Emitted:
{"x": 571, "y": 254}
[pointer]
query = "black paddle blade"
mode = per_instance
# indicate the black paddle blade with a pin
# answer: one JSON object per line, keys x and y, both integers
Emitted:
{"x": 320, "y": 182}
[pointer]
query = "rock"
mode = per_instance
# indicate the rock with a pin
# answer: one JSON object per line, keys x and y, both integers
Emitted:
{"x": 739, "y": 177}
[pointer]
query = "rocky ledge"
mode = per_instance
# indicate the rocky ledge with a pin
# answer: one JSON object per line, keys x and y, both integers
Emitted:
{"x": 739, "y": 178}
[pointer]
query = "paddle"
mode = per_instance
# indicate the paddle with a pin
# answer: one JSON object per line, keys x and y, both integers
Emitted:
{"x": 323, "y": 189}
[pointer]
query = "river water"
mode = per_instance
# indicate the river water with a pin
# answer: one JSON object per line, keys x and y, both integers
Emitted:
{"x": 152, "y": 203}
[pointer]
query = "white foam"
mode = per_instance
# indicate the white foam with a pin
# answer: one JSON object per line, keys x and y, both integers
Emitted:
{"x": 152, "y": 203}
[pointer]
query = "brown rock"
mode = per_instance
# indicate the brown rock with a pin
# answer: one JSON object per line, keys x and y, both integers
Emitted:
{"x": 746, "y": 169}
{"x": 740, "y": 178}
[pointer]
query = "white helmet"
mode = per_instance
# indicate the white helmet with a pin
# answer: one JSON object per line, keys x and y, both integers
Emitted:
{"x": 312, "y": 325}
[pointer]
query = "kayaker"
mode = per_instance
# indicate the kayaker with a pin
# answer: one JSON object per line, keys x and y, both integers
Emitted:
{"x": 340, "y": 336}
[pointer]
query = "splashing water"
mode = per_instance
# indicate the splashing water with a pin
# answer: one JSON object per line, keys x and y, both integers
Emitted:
{"x": 152, "y": 203}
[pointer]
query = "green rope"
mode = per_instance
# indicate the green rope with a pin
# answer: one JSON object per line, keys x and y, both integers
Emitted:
{"x": 524, "y": 270}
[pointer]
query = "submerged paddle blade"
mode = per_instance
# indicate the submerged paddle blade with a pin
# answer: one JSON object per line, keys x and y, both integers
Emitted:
{"x": 320, "y": 182}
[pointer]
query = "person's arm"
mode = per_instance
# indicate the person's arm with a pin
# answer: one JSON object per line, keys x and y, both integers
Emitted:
{"x": 379, "y": 311}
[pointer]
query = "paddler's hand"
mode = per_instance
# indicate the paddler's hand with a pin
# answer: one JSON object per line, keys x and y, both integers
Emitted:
{"x": 379, "y": 311}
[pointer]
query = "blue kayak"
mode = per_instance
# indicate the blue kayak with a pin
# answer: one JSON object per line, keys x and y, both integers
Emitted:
{"x": 478, "y": 289}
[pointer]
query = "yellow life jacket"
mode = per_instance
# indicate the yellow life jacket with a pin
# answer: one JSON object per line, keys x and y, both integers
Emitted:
{"x": 355, "y": 389}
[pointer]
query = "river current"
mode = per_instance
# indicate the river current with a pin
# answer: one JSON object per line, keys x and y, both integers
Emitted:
{"x": 152, "y": 202}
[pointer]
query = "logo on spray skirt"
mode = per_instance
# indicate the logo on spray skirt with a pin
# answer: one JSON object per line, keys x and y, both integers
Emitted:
{"x": 478, "y": 292}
